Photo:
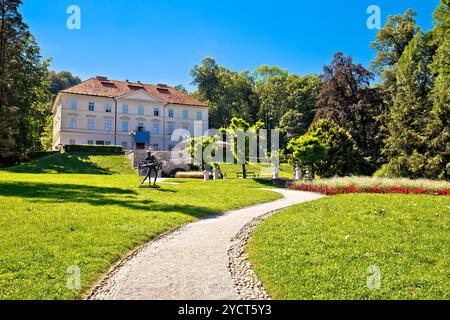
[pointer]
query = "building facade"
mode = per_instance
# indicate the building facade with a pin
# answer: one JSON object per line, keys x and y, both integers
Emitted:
{"x": 100, "y": 111}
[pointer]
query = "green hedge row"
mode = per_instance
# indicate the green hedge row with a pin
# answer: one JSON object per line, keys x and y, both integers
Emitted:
{"x": 40, "y": 154}
{"x": 93, "y": 148}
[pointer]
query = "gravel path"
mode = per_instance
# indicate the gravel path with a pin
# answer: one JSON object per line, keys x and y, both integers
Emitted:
{"x": 197, "y": 261}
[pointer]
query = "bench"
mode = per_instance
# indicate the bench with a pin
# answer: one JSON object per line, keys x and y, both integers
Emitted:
{"x": 249, "y": 174}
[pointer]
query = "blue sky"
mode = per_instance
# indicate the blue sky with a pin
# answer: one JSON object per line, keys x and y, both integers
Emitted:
{"x": 160, "y": 41}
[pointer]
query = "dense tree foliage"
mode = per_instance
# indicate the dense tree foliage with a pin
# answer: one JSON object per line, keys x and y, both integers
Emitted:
{"x": 266, "y": 94}
{"x": 438, "y": 127}
{"x": 343, "y": 156}
{"x": 308, "y": 150}
{"x": 406, "y": 143}
{"x": 23, "y": 85}
{"x": 61, "y": 80}
{"x": 347, "y": 98}
{"x": 235, "y": 132}
{"x": 416, "y": 122}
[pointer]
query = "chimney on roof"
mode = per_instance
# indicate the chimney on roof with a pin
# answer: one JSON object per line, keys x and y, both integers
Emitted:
{"x": 162, "y": 85}
{"x": 139, "y": 82}
{"x": 127, "y": 80}
{"x": 101, "y": 78}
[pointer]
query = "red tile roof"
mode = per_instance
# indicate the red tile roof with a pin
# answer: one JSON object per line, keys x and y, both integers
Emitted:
{"x": 102, "y": 87}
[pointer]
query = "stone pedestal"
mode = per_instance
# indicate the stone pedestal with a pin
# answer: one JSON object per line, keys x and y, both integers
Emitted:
{"x": 276, "y": 172}
{"x": 205, "y": 175}
{"x": 298, "y": 173}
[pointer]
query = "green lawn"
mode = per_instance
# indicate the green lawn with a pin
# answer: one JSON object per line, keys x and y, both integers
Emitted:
{"x": 323, "y": 249}
{"x": 86, "y": 210}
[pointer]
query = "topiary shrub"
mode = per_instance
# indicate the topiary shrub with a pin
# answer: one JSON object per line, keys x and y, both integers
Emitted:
{"x": 93, "y": 148}
{"x": 189, "y": 175}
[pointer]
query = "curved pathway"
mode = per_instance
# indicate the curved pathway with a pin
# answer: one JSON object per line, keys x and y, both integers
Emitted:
{"x": 191, "y": 262}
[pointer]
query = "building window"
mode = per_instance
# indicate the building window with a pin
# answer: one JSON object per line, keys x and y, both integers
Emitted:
{"x": 108, "y": 143}
{"x": 141, "y": 126}
{"x": 125, "y": 109}
{"x": 90, "y": 141}
{"x": 185, "y": 114}
{"x": 156, "y": 128}
{"x": 125, "y": 126}
{"x": 91, "y": 124}
{"x": 73, "y": 104}
{"x": 91, "y": 106}
{"x": 108, "y": 125}
{"x": 100, "y": 142}
{"x": 72, "y": 141}
{"x": 199, "y": 115}
{"x": 156, "y": 112}
{"x": 171, "y": 114}
{"x": 141, "y": 110}
{"x": 108, "y": 108}
{"x": 156, "y": 147}
{"x": 124, "y": 144}
{"x": 73, "y": 123}
{"x": 171, "y": 146}
{"x": 170, "y": 129}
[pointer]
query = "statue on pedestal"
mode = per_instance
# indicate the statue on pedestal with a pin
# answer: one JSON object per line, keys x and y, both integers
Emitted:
{"x": 154, "y": 166}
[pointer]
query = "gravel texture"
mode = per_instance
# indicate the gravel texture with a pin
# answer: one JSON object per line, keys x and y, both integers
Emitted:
{"x": 203, "y": 260}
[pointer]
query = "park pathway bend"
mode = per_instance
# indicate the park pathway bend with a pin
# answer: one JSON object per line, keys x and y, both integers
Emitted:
{"x": 190, "y": 263}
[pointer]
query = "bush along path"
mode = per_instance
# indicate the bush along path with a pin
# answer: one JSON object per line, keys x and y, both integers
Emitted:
{"x": 193, "y": 261}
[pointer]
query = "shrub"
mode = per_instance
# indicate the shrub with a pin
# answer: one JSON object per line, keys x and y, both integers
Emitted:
{"x": 189, "y": 175}
{"x": 308, "y": 150}
{"x": 343, "y": 156}
{"x": 93, "y": 148}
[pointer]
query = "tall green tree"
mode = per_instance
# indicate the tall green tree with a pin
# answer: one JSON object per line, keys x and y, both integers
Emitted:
{"x": 58, "y": 81}
{"x": 241, "y": 151}
{"x": 229, "y": 93}
{"x": 438, "y": 128}
{"x": 347, "y": 98}
{"x": 391, "y": 41}
{"x": 407, "y": 144}
{"x": 23, "y": 84}
{"x": 61, "y": 80}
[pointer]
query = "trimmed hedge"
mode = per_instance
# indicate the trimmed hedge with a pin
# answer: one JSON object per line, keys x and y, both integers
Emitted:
{"x": 189, "y": 175}
{"x": 93, "y": 148}
{"x": 35, "y": 155}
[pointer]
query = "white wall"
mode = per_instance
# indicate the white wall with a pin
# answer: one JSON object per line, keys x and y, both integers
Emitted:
{"x": 81, "y": 134}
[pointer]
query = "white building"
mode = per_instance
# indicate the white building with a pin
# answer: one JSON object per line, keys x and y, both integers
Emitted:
{"x": 106, "y": 112}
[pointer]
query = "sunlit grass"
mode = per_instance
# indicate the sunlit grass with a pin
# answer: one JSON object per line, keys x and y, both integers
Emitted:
{"x": 50, "y": 221}
{"x": 323, "y": 249}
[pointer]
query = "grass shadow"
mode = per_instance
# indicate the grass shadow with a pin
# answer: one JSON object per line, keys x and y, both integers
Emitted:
{"x": 69, "y": 163}
{"x": 97, "y": 196}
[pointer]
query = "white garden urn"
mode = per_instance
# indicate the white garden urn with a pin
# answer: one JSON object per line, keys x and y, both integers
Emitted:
{"x": 205, "y": 175}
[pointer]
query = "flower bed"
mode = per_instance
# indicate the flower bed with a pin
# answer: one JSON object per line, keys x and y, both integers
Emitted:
{"x": 373, "y": 185}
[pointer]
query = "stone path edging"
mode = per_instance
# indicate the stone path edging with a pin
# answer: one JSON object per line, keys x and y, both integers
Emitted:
{"x": 201, "y": 260}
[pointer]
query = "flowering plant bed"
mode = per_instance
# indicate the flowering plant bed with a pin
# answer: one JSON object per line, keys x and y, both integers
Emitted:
{"x": 373, "y": 185}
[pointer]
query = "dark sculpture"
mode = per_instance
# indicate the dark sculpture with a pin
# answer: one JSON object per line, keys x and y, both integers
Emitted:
{"x": 153, "y": 165}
